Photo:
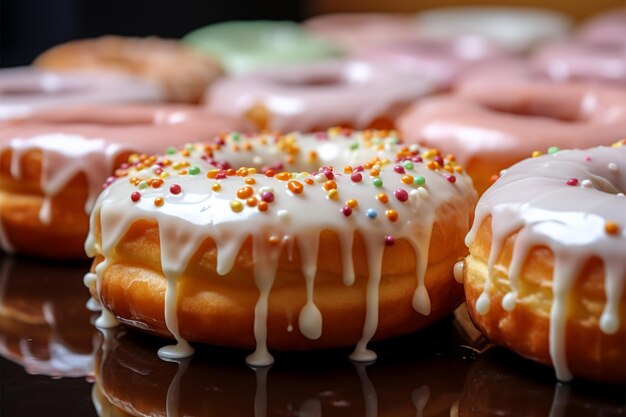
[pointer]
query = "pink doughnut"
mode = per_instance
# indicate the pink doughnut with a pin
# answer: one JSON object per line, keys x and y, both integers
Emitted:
{"x": 605, "y": 28}
{"x": 349, "y": 93}
{"x": 26, "y": 90}
{"x": 442, "y": 60}
{"x": 354, "y": 31}
{"x": 52, "y": 166}
{"x": 490, "y": 125}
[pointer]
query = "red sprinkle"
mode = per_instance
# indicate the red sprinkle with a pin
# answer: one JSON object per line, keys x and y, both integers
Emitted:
{"x": 390, "y": 240}
{"x": 346, "y": 210}
{"x": 267, "y": 196}
{"x": 356, "y": 177}
{"x": 329, "y": 174}
{"x": 401, "y": 195}
{"x": 399, "y": 169}
{"x": 572, "y": 181}
{"x": 175, "y": 189}
{"x": 451, "y": 178}
{"x": 135, "y": 197}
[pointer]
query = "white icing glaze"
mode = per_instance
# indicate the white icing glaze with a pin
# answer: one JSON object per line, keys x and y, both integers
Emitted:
{"x": 570, "y": 220}
{"x": 313, "y": 96}
{"x": 27, "y": 90}
{"x": 187, "y": 219}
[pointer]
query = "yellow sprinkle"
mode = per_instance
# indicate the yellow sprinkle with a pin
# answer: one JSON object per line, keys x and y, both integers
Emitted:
{"x": 236, "y": 206}
{"x": 352, "y": 203}
{"x": 216, "y": 187}
{"x": 407, "y": 179}
{"x": 164, "y": 174}
{"x": 536, "y": 154}
{"x": 333, "y": 194}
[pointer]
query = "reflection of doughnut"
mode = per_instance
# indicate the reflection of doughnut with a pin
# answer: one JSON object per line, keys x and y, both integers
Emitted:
{"x": 500, "y": 380}
{"x": 546, "y": 271}
{"x": 314, "y": 96}
{"x": 245, "y": 259}
{"x": 495, "y": 123}
{"x": 182, "y": 74}
{"x": 43, "y": 325}
{"x": 442, "y": 60}
{"x": 245, "y": 46}
{"x": 217, "y": 384}
{"x": 354, "y": 31}
{"x": 518, "y": 28}
{"x": 52, "y": 167}
{"x": 26, "y": 90}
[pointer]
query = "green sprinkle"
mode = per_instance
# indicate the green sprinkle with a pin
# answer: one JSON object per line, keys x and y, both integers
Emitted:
{"x": 553, "y": 149}
{"x": 235, "y": 136}
{"x": 376, "y": 141}
{"x": 407, "y": 165}
{"x": 377, "y": 182}
{"x": 354, "y": 145}
{"x": 142, "y": 185}
{"x": 171, "y": 150}
{"x": 419, "y": 180}
{"x": 194, "y": 170}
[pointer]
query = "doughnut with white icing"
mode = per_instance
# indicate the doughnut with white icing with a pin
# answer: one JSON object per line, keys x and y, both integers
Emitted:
{"x": 53, "y": 164}
{"x": 311, "y": 97}
{"x": 547, "y": 267}
{"x": 179, "y": 72}
{"x": 188, "y": 247}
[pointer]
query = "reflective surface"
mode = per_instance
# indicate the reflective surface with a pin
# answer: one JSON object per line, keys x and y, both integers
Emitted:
{"x": 54, "y": 362}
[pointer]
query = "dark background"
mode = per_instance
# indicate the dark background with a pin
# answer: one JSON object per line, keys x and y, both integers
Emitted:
{"x": 29, "y": 27}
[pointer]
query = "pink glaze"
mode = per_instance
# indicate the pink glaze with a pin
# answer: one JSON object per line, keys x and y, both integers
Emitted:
{"x": 89, "y": 140}
{"x": 443, "y": 60}
{"x": 26, "y": 90}
{"x": 354, "y": 31}
{"x": 502, "y": 122}
{"x": 583, "y": 61}
{"x": 606, "y": 28}
{"x": 317, "y": 96}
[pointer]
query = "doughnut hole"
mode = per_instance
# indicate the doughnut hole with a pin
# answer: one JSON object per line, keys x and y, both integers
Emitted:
{"x": 591, "y": 354}
{"x": 20, "y": 204}
{"x": 220, "y": 309}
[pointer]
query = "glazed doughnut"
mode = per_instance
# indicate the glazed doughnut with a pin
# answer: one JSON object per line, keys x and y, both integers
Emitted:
{"x": 355, "y": 94}
{"x": 355, "y": 31}
{"x": 441, "y": 60}
{"x": 24, "y": 91}
{"x": 517, "y": 28}
{"x": 52, "y": 166}
{"x": 243, "y": 46}
{"x": 546, "y": 271}
{"x": 43, "y": 325}
{"x": 179, "y": 72}
{"x": 287, "y": 261}
{"x": 493, "y": 123}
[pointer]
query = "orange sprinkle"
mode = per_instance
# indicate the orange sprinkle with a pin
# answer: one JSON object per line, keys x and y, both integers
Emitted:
{"x": 383, "y": 198}
{"x": 312, "y": 156}
{"x": 374, "y": 173}
{"x": 184, "y": 152}
{"x": 458, "y": 168}
{"x": 309, "y": 181}
{"x": 347, "y": 169}
{"x": 330, "y": 185}
{"x": 352, "y": 203}
{"x": 611, "y": 228}
{"x": 245, "y": 192}
{"x": 262, "y": 206}
{"x": 159, "y": 201}
{"x": 295, "y": 187}
{"x": 368, "y": 165}
{"x": 273, "y": 240}
{"x": 283, "y": 176}
{"x": 269, "y": 173}
{"x": 242, "y": 172}
{"x": 290, "y": 159}
{"x": 231, "y": 172}
{"x": 250, "y": 181}
{"x": 247, "y": 146}
{"x": 407, "y": 179}
{"x": 212, "y": 173}
{"x": 183, "y": 172}
{"x": 432, "y": 165}
{"x": 216, "y": 187}
{"x": 392, "y": 215}
{"x": 251, "y": 202}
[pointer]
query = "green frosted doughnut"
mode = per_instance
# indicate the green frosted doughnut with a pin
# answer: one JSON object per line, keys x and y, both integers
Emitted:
{"x": 243, "y": 46}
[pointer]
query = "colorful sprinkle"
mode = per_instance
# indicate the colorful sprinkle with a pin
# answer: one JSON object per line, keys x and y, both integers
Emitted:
{"x": 611, "y": 228}
{"x": 401, "y": 195}
{"x": 170, "y": 151}
{"x": 216, "y": 187}
{"x": 159, "y": 201}
{"x": 451, "y": 179}
{"x": 333, "y": 194}
{"x": 352, "y": 203}
{"x": 377, "y": 182}
{"x": 194, "y": 170}
{"x": 330, "y": 185}
{"x": 263, "y": 206}
{"x": 407, "y": 179}
{"x": 251, "y": 202}
{"x": 244, "y": 192}
{"x": 371, "y": 213}
{"x": 390, "y": 240}
{"x": 175, "y": 189}
{"x": 535, "y": 154}
{"x": 135, "y": 197}
{"x": 346, "y": 210}
{"x": 295, "y": 187}
{"x": 399, "y": 169}
{"x": 572, "y": 181}
{"x": 383, "y": 198}
{"x": 356, "y": 177}
{"x": 407, "y": 164}
{"x": 267, "y": 196}
{"x": 419, "y": 180}
{"x": 236, "y": 206}
{"x": 392, "y": 215}
{"x": 553, "y": 149}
